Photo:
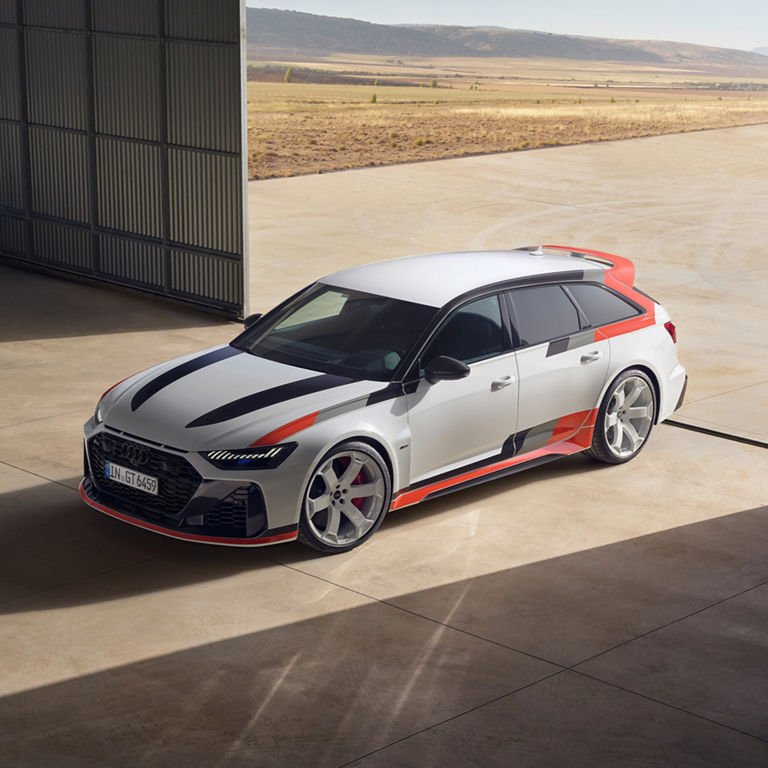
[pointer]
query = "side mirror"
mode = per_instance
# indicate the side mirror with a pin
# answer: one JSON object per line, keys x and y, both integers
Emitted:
{"x": 252, "y": 319}
{"x": 445, "y": 368}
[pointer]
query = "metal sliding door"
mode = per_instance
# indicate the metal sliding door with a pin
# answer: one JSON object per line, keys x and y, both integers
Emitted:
{"x": 122, "y": 143}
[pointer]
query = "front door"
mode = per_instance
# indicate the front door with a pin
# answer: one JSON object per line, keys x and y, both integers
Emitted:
{"x": 454, "y": 423}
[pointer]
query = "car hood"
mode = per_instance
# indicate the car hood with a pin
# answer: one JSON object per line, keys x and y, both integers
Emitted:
{"x": 223, "y": 398}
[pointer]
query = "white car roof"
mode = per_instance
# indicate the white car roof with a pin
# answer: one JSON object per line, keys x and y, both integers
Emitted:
{"x": 436, "y": 278}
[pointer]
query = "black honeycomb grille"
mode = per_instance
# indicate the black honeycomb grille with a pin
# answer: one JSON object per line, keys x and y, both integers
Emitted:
{"x": 230, "y": 513}
{"x": 177, "y": 478}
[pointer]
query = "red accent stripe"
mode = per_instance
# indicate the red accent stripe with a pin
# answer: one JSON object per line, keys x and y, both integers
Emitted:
{"x": 584, "y": 436}
{"x": 122, "y": 380}
{"x": 570, "y": 424}
{"x": 633, "y": 323}
{"x": 290, "y": 536}
{"x": 626, "y": 326}
{"x": 406, "y": 498}
{"x": 291, "y": 428}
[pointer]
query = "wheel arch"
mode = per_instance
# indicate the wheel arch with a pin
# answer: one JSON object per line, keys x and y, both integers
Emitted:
{"x": 374, "y": 442}
{"x": 381, "y": 449}
{"x": 650, "y": 373}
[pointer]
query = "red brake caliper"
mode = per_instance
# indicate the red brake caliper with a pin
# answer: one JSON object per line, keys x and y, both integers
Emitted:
{"x": 359, "y": 480}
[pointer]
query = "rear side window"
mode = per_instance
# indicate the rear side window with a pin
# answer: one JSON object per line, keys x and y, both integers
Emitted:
{"x": 600, "y": 305}
{"x": 542, "y": 313}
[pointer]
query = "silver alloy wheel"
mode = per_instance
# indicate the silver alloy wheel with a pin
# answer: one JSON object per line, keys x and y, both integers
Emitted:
{"x": 629, "y": 416}
{"x": 345, "y": 498}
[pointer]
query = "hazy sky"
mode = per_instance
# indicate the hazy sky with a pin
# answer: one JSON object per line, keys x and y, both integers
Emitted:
{"x": 727, "y": 23}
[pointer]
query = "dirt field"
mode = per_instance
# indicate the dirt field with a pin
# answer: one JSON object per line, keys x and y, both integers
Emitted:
{"x": 311, "y": 127}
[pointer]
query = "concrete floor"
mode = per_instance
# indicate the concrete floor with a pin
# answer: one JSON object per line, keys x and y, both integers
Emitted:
{"x": 573, "y": 615}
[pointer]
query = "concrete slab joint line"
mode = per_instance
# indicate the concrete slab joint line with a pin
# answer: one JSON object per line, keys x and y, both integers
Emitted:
{"x": 570, "y": 668}
{"x": 717, "y": 433}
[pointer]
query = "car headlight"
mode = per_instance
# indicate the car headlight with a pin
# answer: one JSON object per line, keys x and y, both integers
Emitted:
{"x": 98, "y": 414}
{"x": 263, "y": 457}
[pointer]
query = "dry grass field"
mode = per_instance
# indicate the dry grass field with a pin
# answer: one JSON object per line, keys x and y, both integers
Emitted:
{"x": 451, "y": 108}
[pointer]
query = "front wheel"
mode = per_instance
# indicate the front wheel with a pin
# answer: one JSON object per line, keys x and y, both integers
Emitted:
{"x": 625, "y": 418}
{"x": 346, "y": 498}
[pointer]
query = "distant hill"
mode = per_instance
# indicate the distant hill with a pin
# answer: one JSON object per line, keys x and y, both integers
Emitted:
{"x": 322, "y": 35}
{"x": 326, "y": 34}
{"x": 517, "y": 43}
{"x": 762, "y": 51}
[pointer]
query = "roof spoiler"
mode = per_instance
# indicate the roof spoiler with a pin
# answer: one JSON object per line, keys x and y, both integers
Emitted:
{"x": 619, "y": 268}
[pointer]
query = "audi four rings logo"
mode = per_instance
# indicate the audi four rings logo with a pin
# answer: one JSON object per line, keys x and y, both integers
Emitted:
{"x": 134, "y": 454}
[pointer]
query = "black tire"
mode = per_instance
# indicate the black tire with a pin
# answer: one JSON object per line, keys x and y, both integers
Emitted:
{"x": 619, "y": 435}
{"x": 332, "y": 518}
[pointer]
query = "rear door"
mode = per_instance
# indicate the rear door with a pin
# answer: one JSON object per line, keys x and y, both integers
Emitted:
{"x": 562, "y": 368}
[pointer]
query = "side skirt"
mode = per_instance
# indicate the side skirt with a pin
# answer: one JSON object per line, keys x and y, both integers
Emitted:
{"x": 495, "y": 468}
{"x": 495, "y": 475}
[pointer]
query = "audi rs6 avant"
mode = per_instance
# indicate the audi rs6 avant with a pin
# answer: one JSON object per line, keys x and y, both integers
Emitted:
{"x": 381, "y": 386}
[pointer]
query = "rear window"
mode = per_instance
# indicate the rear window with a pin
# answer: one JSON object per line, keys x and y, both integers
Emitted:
{"x": 601, "y": 305}
{"x": 542, "y": 313}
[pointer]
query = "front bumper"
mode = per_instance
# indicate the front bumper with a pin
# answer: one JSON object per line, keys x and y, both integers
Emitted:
{"x": 214, "y": 511}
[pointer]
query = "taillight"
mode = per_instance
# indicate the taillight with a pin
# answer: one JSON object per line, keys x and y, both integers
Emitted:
{"x": 670, "y": 326}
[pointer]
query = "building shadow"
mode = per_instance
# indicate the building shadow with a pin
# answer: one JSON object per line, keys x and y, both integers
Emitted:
{"x": 34, "y": 305}
{"x": 50, "y": 537}
{"x": 488, "y": 671}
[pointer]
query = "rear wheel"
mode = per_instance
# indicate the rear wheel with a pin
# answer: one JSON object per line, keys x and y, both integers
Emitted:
{"x": 625, "y": 418}
{"x": 346, "y": 498}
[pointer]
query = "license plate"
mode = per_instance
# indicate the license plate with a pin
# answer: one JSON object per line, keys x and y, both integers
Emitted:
{"x": 131, "y": 478}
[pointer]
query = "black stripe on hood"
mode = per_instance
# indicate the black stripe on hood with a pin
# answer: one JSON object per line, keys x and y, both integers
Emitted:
{"x": 179, "y": 372}
{"x": 268, "y": 397}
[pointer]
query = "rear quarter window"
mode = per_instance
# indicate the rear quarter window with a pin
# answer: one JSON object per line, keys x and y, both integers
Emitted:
{"x": 601, "y": 305}
{"x": 542, "y": 313}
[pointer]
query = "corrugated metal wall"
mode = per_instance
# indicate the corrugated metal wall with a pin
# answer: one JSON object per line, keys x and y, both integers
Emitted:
{"x": 122, "y": 143}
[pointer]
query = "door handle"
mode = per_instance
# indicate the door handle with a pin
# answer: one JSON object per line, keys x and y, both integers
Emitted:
{"x": 591, "y": 357}
{"x": 504, "y": 381}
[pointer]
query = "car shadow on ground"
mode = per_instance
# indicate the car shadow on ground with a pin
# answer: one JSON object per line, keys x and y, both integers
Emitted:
{"x": 49, "y": 537}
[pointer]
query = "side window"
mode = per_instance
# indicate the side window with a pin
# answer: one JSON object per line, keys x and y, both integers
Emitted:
{"x": 600, "y": 305}
{"x": 542, "y": 313}
{"x": 473, "y": 332}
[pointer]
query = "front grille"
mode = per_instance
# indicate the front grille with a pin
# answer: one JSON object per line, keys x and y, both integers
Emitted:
{"x": 177, "y": 478}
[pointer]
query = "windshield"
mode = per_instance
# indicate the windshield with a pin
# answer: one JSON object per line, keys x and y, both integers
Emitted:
{"x": 340, "y": 331}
